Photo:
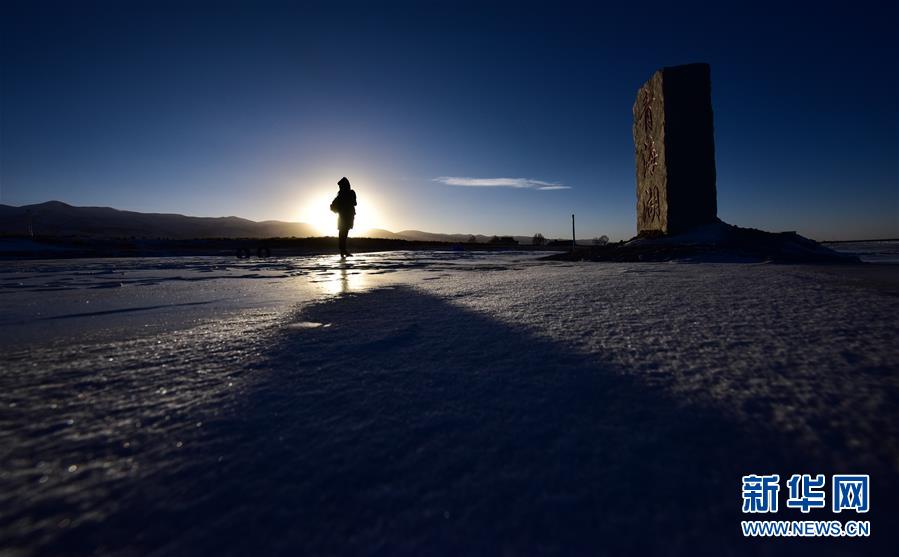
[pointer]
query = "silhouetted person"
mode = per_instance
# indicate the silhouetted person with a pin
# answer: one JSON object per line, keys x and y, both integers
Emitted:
{"x": 345, "y": 207}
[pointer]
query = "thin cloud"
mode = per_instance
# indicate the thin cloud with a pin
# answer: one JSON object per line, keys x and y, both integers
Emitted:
{"x": 518, "y": 183}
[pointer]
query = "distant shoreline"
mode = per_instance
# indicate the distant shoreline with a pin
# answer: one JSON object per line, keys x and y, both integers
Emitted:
{"x": 859, "y": 241}
{"x": 25, "y": 248}
{"x": 15, "y": 248}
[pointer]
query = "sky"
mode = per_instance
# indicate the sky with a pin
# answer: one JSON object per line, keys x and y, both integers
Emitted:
{"x": 493, "y": 118}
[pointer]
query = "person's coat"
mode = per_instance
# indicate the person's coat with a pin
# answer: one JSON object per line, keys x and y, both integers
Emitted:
{"x": 345, "y": 207}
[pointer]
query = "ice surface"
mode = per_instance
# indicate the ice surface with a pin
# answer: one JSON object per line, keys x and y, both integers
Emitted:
{"x": 434, "y": 403}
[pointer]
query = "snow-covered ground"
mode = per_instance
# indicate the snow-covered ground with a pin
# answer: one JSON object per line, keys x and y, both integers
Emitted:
{"x": 435, "y": 403}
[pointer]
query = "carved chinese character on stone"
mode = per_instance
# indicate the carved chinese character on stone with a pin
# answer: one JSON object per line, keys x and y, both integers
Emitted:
{"x": 675, "y": 150}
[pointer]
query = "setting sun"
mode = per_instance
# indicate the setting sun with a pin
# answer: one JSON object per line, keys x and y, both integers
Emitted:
{"x": 316, "y": 213}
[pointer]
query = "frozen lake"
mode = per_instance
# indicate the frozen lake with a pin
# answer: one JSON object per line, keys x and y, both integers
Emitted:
{"x": 435, "y": 403}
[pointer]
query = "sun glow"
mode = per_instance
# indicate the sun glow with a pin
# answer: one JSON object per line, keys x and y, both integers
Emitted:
{"x": 316, "y": 213}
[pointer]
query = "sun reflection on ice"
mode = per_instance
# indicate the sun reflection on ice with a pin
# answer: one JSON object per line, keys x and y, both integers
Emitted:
{"x": 343, "y": 279}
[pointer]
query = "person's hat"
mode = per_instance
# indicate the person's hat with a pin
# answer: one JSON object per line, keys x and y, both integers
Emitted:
{"x": 344, "y": 182}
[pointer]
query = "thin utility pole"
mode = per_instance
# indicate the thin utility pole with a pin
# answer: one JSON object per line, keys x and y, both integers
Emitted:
{"x": 572, "y": 232}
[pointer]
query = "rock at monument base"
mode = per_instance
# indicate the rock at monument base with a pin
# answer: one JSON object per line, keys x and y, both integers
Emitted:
{"x": 675, "y": 151}
{"x": 715, "y": 242}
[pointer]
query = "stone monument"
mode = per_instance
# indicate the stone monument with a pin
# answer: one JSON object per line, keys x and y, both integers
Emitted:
{"x": 675, "y": 151}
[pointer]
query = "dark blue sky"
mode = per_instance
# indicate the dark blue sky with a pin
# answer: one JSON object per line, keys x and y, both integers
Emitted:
{"x": 256, "y": 109}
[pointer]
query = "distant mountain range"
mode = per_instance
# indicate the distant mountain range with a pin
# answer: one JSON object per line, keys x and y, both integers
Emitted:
{"x": 55, "y": 218}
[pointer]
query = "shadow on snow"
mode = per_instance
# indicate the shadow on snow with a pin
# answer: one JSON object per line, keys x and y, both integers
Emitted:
{"x": 409, "y": 425}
